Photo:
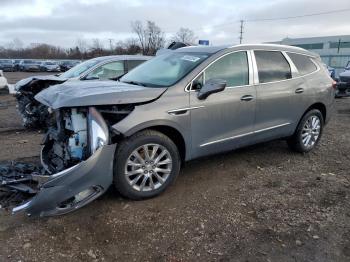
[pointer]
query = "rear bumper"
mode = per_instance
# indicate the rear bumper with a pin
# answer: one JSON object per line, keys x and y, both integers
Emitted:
{"x": 74, "y": 187}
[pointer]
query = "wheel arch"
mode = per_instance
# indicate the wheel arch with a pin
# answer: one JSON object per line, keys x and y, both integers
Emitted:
{"x": 319, "y": 106}
{"x": 175, "y": 133}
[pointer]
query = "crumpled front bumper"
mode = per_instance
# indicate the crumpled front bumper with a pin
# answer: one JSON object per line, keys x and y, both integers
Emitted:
{"x": 85, "y": 181}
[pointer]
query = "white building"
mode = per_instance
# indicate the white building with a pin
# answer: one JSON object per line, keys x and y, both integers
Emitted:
{"x": 334, "y": 50}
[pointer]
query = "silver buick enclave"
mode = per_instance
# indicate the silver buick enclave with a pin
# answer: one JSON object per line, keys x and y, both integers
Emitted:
{"x": 137, "y": 131}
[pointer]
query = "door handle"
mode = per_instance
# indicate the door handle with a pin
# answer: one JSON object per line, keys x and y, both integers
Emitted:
{"x": 247, "y": 98}
{"x": 299, "y": 90}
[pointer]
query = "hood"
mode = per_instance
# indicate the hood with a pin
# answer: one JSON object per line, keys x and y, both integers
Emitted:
{"x": 93, "y": 93}
{"x": 30, "y": 80}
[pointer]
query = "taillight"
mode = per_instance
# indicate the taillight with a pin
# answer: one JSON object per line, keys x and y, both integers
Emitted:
{"x": 334, "y": 84}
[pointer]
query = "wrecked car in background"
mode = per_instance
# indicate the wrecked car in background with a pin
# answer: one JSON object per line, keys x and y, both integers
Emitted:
{"x": 195, "y": 101}
{"x": 7, "y": 65}
{"x": 343, "y": 86}
{"x": 28, "y": 65}
{"x": 49, "y": 66}
{"x": 34, "y": 114}
{"x": 66, "y": 65}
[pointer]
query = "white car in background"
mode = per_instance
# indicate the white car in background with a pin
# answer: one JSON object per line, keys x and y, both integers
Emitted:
{"x": 4, "y": 83}
{"x": 3, "y": 80}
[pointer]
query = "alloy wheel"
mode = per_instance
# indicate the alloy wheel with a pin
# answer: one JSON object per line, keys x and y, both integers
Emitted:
{"x": 311, "y": 131}
{"x": 148, "y": 167}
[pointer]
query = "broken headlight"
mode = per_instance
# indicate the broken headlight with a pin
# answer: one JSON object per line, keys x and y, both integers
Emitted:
{"x": 98, "y": 130}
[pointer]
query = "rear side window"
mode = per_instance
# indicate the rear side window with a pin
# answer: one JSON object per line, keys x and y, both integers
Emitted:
{"x": 134, "y": 63}
{"x": 232, "y": 67}
{"x": 272, "y": 66}
{"x": 303, "y": 63}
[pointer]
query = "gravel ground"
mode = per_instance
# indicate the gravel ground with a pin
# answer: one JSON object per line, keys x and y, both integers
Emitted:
{"x": 261, "y": 203}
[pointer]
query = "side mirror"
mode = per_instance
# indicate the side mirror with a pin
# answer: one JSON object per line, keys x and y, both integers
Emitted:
{"x": 210, "y": 87}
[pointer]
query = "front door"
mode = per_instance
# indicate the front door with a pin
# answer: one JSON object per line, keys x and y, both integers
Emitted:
{"x": 223, "y": 120}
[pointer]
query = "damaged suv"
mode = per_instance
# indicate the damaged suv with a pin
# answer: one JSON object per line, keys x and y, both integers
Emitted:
{"x": 136, "y": 132}
{"x": 34, "y": 114}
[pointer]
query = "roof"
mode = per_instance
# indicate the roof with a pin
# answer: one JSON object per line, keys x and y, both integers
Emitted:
{"x": 202, "y": 49}
{"x": 215, "y": 49}
{"x": 122, "y": 57}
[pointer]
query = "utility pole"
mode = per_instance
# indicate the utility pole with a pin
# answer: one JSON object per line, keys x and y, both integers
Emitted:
{"x": 241, "y": 32}
{"x": 339, "y": 42}
{"x": 110, "y": 43}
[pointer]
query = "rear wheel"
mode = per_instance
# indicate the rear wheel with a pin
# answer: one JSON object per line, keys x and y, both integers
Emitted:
{"x": 146, "y": 164}
{"x": 308, "y": 132}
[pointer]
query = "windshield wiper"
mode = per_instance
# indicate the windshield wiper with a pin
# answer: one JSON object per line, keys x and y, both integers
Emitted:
{"x": 134, "y": 83}
{"x": 117, "y": 78}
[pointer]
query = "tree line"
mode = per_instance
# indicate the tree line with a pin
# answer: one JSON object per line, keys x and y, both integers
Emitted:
{"x": 148, "y": 38}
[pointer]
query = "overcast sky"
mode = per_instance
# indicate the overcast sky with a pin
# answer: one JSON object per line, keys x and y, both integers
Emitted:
{"x": 62, "y": 22}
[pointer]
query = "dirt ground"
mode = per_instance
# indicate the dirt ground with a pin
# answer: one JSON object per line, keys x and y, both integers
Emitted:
{"x": 262, "y": 203}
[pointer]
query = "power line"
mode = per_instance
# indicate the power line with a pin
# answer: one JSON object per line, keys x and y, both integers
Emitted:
{"x": 274, "y": 19}
{"x": 299, "y": 16}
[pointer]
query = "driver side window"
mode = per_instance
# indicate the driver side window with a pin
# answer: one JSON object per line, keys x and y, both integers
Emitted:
{"x": 232, "y": 67}
{"x": 107, "y": 71}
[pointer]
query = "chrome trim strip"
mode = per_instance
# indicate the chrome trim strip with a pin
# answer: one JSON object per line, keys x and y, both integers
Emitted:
{"x": 250, "y": 68}
{"x": 184, "y": 109}
{"x": 255, "y": 68}
{"x": 242, "y": 135}
{"x": 272, "y": 127}
{"x": 65, "y": 171}
{"x": 21, "y": 207}
{"x": 227, "y": 138}
{"x": 250, "y": 53}
{"x": 293, "y": 68}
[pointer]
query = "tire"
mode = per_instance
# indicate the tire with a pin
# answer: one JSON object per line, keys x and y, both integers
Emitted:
{"x": 296, "y": 142}
{"x": 155, "y": 181}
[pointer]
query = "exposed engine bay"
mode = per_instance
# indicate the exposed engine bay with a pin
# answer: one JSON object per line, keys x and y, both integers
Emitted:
{"x": 77, "y": 133}
{"x": 73, "y": 137}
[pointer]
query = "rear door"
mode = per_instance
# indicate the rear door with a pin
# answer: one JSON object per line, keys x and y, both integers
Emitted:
{"x": 303, "y": 90}
{"x": 223, "y": 120}
{"x": 274, "y": 107}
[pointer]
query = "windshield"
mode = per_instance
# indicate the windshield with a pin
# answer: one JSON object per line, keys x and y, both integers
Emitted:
{"x": 79, "y": 69}
{"x": 164, "y": 70}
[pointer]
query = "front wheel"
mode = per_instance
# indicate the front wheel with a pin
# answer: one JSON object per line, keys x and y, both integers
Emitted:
{"x": 308, "y": 132}
{"x": 145, "y": 164}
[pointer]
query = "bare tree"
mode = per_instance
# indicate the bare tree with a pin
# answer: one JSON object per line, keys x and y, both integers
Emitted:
{"x": 96, "y": 44}
{"x": 184, "y": 35}
{"x": 137, "y": 28}
{"x": 150, "y": 37}
{"x": 82, "y": 45}
{"x": 17, "y": 44}
{"x": 155, "y": 37}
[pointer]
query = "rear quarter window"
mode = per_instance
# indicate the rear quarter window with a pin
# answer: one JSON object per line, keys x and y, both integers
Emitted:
{"x": 303, "y": 63}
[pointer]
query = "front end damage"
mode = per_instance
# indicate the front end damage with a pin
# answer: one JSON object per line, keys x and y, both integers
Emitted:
{"x": 33, "y": 113}
{"x": 76, "y": 162}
